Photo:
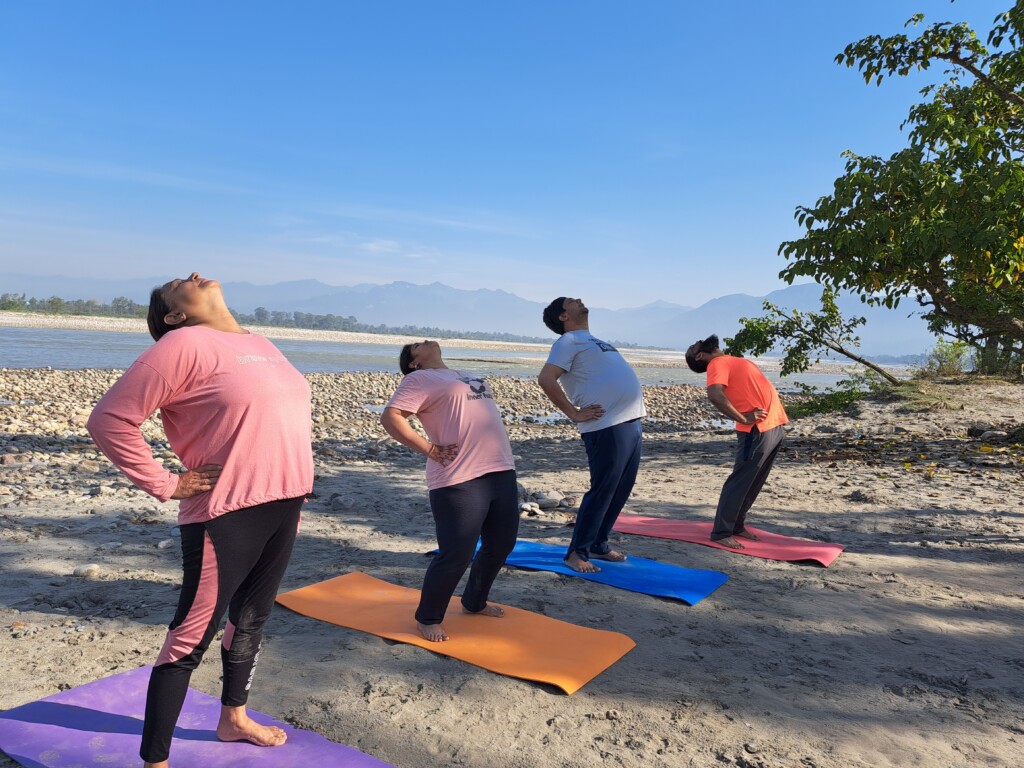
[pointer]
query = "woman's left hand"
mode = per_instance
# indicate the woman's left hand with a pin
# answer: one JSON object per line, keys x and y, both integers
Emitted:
{"x": 196, "y": 481}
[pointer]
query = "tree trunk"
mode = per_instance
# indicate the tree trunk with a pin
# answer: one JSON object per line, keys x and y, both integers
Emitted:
{"x": 866, "y": 363}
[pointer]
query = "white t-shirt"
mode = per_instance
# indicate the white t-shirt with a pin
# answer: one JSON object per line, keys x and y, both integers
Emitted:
{"x": 595, "y": 372}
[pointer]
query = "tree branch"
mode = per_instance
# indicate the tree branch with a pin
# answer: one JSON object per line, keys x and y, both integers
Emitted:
{"x": 954, "y": 57}
{"x": 858, "y": 359}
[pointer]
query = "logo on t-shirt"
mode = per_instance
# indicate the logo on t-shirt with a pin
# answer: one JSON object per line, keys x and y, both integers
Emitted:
{"x": 604, "y": 346}
{"x": 246, "y": 359}
{"x": 478, "y": 387}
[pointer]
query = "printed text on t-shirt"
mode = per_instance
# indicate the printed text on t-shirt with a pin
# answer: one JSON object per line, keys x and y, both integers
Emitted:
{"x": 477, "y": 387}
{"x": 246, "y": 359}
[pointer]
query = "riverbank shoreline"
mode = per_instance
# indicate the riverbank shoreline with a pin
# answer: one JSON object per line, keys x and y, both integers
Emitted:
{"x": 637, "y": 356}
{"x": 138, "y": 325}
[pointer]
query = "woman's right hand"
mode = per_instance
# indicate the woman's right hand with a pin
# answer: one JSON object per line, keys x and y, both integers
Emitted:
{"x": 196, "y": 481}
{"x": 443, "y": 454}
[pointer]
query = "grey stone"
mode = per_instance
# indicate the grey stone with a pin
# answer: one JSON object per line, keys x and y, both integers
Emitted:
{"x": 993, "y": 434}
{"x": 341, "y": 502}
{"x": 89, "y": 571}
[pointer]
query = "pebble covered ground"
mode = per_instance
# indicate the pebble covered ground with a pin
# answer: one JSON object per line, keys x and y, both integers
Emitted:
{"x": 905, "y": 652}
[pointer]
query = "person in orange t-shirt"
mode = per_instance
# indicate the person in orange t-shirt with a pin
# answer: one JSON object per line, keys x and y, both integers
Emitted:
{"x": 740, "y": 391}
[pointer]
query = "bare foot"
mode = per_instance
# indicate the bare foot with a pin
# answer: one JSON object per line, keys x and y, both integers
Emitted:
{"x": 433, "y": 632}
{"x": 580, "y": 565}
{"x": 748, "y": 535}
{"x": 236, "y": 725}
{"x": 488, "y": 610}
{"x": 611, "y": 556}
{"x": 729, "y": 542}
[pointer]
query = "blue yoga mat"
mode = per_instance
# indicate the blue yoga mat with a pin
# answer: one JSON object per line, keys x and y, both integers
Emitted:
{"x": 636, "y": 574}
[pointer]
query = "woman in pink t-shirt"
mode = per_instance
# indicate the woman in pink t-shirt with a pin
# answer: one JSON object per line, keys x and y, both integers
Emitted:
{"x": 470, "y": 476}
{"x": 237, "y": 414}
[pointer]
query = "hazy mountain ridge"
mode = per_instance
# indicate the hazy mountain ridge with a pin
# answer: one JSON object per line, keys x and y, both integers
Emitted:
{"x": 660, "y": 323}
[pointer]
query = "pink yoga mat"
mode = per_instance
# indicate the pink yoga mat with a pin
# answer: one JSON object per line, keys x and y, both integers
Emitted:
{"x": 772, "y": 546}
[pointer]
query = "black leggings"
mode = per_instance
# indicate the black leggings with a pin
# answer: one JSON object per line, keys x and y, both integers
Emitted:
{"x": 485, "y": 508}
{"x": 234, "y": 562}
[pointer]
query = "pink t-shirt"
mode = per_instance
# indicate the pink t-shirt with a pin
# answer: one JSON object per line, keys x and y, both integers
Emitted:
{"x": 224, "y": 398}
{"x": 456, "y": 408}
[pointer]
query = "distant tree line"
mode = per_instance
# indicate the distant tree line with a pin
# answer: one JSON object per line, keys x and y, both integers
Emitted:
{"x": 330, "y": 322}
{"x": 123, "y": 307}
{"x": 118, "y": 307}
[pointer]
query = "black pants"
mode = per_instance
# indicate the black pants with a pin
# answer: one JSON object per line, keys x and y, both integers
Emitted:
{"x": 484, "y": 509}
{"x": 234, "y": 562}
{"x": 755, "y": 454}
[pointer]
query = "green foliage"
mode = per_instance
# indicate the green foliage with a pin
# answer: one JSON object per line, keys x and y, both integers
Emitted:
{"x": 997, "y": 358}
{"x": 813, "y": 400}
{"x": 941, "y": 221}
{"x": 12, "y": 302}
{"x": 948, "y": 358}
{"x": 913, "y": 396}
{"x": 811, "y": 403}
{"x": 802, "y": 335}
{"x": 55, "y": 305}
{"x": 920, "y": 397}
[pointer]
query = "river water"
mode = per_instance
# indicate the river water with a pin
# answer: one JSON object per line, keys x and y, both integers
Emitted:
{"x": 79, "y": 349}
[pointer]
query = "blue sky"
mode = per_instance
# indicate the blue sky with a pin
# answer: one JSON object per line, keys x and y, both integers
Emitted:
{"x": 622, "y": 152}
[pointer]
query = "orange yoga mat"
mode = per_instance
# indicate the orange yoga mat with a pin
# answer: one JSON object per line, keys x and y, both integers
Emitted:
{"x": 521, "y": 644}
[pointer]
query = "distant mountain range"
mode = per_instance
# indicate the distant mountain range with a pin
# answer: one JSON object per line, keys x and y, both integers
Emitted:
{"x": 662, "y": 324}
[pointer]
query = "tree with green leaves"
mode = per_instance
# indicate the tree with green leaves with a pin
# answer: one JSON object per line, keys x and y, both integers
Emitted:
{"x": 802, "y": 335}
{"x": 941, "y": 221}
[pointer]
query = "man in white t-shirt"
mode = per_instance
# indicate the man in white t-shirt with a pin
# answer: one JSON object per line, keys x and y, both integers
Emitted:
{"x": 591, "y": 383}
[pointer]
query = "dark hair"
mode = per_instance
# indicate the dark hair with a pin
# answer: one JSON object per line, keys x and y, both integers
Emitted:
{"x": 158, "y": 309}
{"x": 552, "y": 312}
{"x": 405, "y": 360}
{"x": 709, "y": 345}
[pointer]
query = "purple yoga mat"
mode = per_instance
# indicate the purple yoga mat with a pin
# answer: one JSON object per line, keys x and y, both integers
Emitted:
{"x": 99, "y": 724}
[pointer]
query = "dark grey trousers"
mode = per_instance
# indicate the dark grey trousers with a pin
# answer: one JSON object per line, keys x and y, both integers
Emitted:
{"x": 755, "y": 454}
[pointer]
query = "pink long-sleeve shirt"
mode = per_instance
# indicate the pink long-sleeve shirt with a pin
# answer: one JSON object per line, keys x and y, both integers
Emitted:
{"x": 224, "y": 398}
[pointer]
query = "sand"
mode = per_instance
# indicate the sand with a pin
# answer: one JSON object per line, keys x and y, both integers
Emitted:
{"x": 906, "y": 651}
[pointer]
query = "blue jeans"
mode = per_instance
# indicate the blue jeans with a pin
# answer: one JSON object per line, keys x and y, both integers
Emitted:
{"x": 614, "y": 457}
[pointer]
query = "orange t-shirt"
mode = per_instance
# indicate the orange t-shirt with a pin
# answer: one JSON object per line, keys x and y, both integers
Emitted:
{"x": 747, "y": 388}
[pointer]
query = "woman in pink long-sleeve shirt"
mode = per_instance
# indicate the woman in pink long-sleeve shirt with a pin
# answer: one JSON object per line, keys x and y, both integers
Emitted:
{"x": 237, "y": 414}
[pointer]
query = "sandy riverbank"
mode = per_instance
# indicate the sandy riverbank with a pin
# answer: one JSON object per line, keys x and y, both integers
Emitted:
{"x": 906, "y": 652}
